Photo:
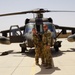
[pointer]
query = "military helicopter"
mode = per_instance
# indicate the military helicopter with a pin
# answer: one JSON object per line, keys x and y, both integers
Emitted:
{"x": 24, "y": 35}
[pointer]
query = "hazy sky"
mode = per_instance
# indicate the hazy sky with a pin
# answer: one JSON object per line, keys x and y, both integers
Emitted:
{"x": 62, "y": 19}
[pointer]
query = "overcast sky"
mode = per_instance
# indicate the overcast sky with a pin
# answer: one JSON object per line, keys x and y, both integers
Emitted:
{"x": 62, "y": 19}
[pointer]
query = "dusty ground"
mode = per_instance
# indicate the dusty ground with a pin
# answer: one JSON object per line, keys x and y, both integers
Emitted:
{"x": 16, "y": 63}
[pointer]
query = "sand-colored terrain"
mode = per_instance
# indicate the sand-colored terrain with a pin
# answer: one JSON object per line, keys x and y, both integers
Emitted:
{"x": 16, "y": 63}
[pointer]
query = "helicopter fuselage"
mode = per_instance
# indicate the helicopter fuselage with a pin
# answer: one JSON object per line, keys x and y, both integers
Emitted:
{"x": 38, "y": 25}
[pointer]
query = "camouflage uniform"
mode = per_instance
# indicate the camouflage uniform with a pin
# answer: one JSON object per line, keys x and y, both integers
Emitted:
{"x": 46, "y": 52}
{"x": 38, "y": 48}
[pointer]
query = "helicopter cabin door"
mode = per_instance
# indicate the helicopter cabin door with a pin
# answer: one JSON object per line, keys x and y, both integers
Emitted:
{"x": 15, "y": 34}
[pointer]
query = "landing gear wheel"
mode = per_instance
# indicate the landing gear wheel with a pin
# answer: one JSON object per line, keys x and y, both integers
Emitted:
{"x": 57, "y": 44}
{"x": 23, "y": 50}
{"x": 56, "y": 49}
{"x": 23, "y": 47}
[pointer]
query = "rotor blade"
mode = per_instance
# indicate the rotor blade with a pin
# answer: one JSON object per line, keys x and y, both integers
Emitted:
{"x": 16, "y": 13}
{"x": 60, "y": 11}
{"x": 33, "y": 11}
{"x": 24, "y": 12}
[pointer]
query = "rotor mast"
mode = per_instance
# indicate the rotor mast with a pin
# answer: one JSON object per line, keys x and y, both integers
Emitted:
{"x": 39, "y": 15}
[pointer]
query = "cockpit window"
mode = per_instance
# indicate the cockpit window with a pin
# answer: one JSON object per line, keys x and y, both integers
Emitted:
{"x": 29, "y": 27}
{"x": 50, "y": 26}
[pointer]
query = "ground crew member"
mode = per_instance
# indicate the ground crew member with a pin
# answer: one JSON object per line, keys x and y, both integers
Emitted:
{"x": 38, "y": 46}
{"x": 46, "y": 39}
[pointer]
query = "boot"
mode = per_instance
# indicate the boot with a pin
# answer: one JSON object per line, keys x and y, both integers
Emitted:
{"x": 49, "y": 67}
{"x": 37, "y": 63}
{"x": 45, "y": 65}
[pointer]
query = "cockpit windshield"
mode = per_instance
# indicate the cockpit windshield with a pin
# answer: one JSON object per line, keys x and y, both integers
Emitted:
{"x": 29, "y": 27}
{"x": 51, "y": 27}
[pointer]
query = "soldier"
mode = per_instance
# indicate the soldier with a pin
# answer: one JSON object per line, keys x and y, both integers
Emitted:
{"x": 46, "y": 39}
{"x": 38, "y": 46}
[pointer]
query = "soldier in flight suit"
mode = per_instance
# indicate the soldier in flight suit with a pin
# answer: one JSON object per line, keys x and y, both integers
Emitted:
{"x": 46, "y": 39}
{"x": 38, "y": 46}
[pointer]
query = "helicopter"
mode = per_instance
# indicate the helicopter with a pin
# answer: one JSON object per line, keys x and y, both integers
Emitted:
{"x": 24, "y": 35}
